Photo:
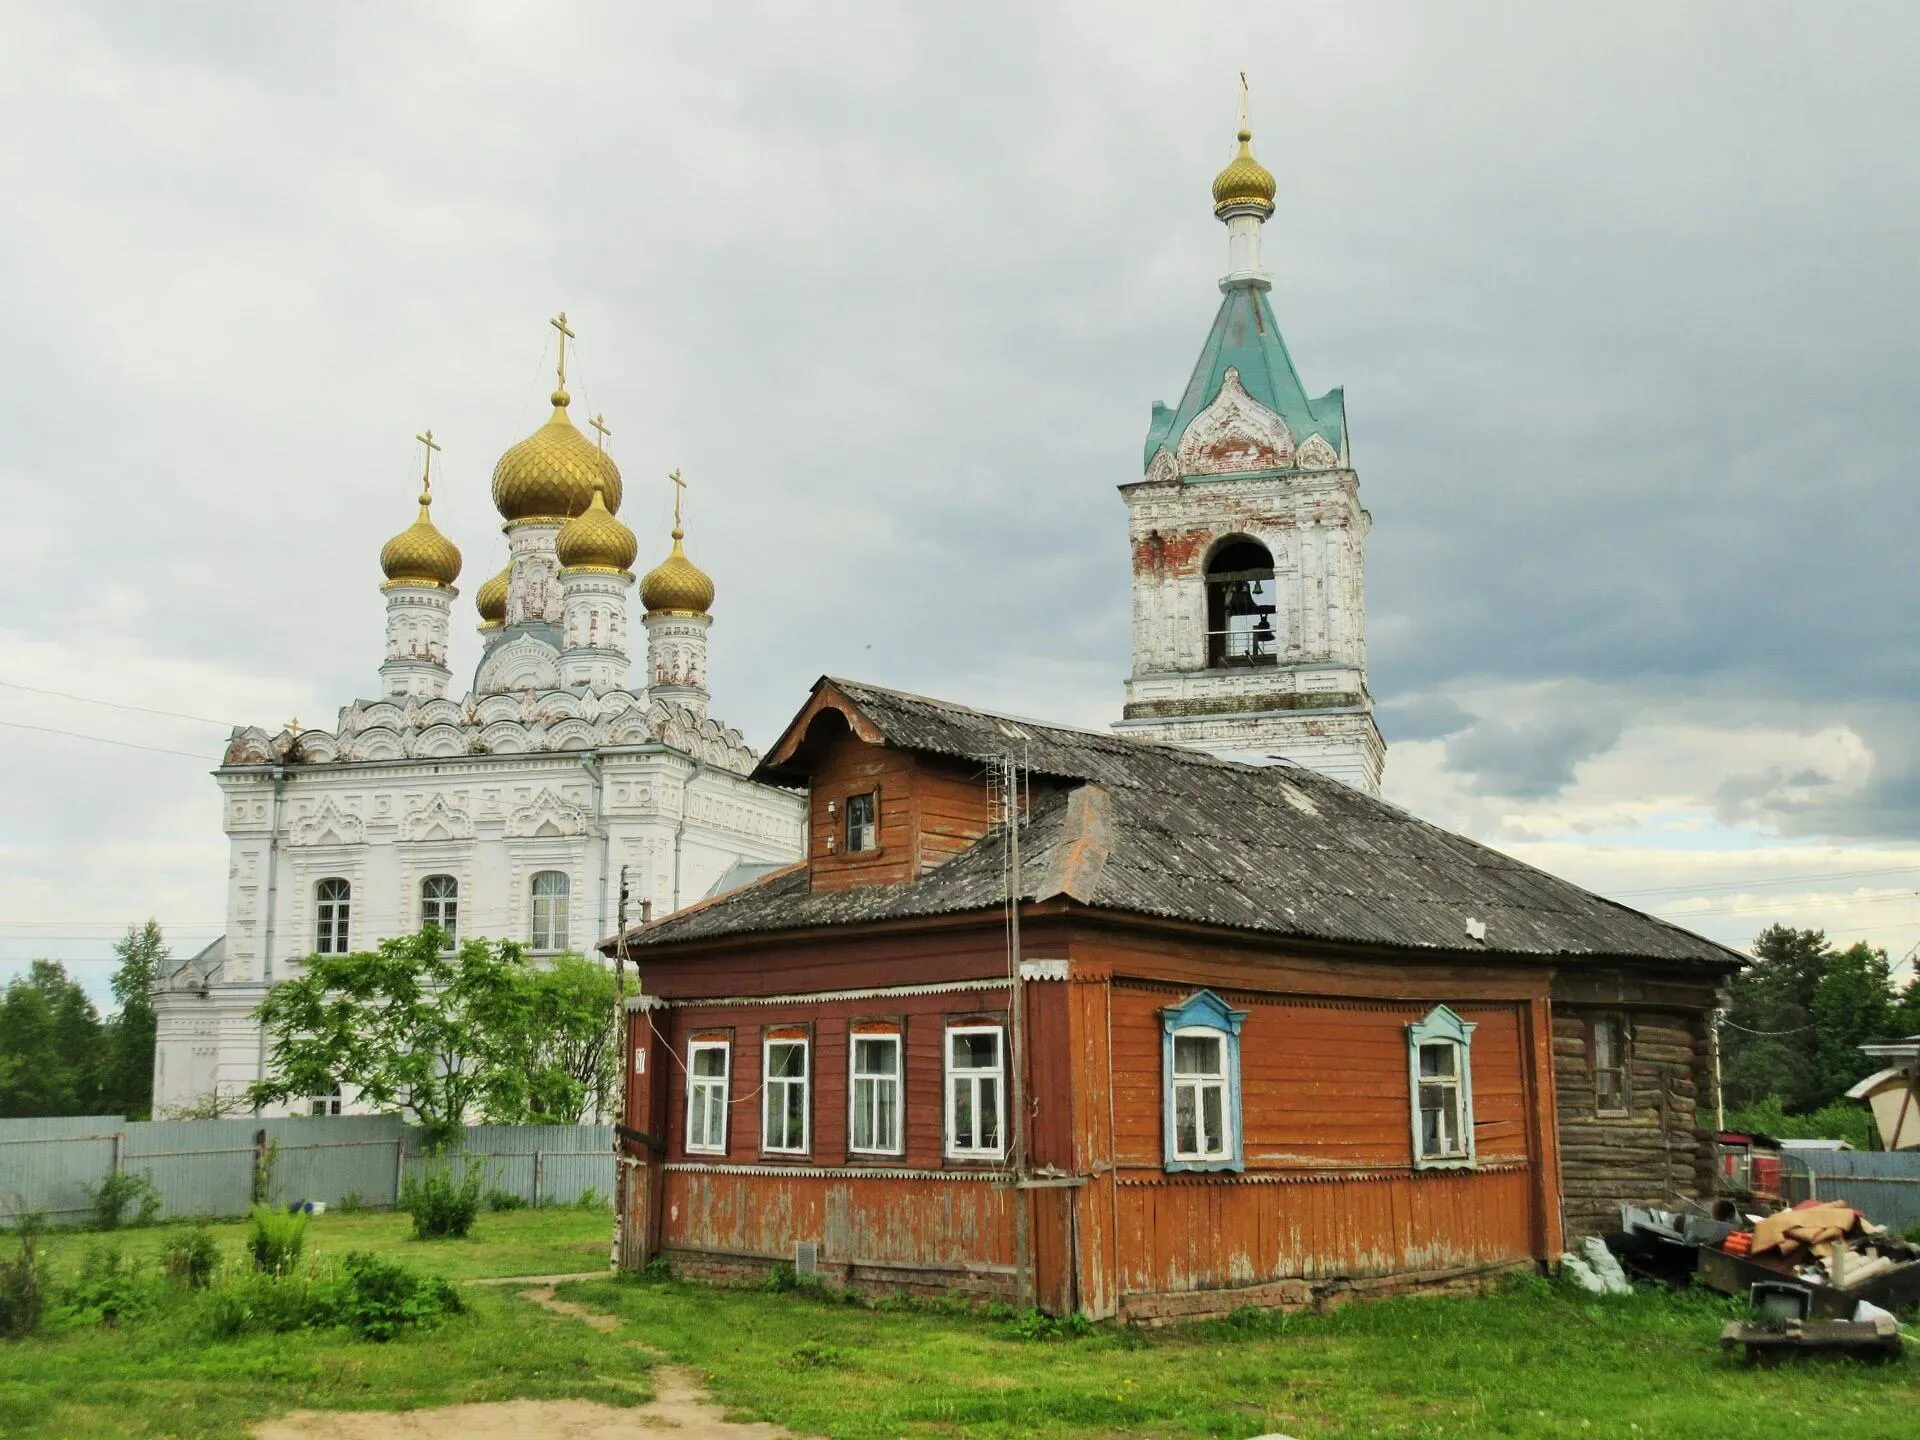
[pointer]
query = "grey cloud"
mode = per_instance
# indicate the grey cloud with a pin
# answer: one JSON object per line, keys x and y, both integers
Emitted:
{"x": 1532, "y": 758}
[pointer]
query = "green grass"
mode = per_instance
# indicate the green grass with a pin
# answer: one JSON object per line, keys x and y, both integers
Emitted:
{"x": 1532, "y": 1362}
{"x": 560, "y": 1241}
{"x": 151, "y": 1380}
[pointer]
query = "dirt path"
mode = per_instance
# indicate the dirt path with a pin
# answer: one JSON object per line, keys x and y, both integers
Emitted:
{"x": 680, "y": 1404}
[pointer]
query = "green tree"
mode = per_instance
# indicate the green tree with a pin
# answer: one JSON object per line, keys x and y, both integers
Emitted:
{"x": 558, "y": 1039}
{"x": 1767, "y": 1045}
{"x": 411, "y": 1026}
{"x": 50, "y": 1045}
{"x": 1852, "y": 1005}
{"x": 127, "y": 1078}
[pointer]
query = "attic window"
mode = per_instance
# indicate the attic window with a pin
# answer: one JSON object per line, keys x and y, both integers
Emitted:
{"x": 1240, "y": 605}
{"x": 863, "y": 822}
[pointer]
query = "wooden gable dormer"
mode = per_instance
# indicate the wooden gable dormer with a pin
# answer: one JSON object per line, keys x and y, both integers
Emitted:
{"x": 879, "y": 813}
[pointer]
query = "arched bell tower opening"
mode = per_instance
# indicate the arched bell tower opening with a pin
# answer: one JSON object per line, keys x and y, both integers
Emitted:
{"x": 1240, "y": 605}
{"x": 1249, "y": 540}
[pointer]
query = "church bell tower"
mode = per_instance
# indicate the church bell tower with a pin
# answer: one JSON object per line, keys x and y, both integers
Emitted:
{"x": 1249, "y": 541}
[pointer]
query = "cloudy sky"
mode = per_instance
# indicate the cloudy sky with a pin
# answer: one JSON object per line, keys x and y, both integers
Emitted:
{"x": 1623, "y": 299}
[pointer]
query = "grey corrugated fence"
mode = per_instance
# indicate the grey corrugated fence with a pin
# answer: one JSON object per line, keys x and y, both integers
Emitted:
{"x": 209, "y": 1167}
{"x": 1884, "y": 1185}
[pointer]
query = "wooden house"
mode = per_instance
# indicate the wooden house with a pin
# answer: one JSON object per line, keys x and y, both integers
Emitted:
{"x": 1241, "y": 1035}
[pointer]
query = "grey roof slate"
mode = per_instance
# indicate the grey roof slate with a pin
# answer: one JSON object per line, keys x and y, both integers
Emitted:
{"x": 1155, "y": 830}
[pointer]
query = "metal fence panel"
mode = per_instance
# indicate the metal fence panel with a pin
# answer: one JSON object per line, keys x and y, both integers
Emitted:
{"x": 333, "y": 1157}
{"x": 47, "y": 1164}
{"x": 200, "y": 1167}
{"x": 1883, "y": 1185}
{"x": 207, "y": 1167}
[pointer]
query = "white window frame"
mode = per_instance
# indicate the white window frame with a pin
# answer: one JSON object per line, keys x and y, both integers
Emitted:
{"x": 770, "y": 1084}
{"x": 553, "y": 937}
{"x": 696, "y": 1083}
{"x": 1220, "y": 1080}
{"x": 895, "y": 1077}
{"x": 972, "y": 1076}
{"x": 324, "y": 1105}
{"x": 332, "y": 917}
{"x": 871, "y": 830}
{"x": 441, "y": 904}
{"x": 1442, "y": 1026}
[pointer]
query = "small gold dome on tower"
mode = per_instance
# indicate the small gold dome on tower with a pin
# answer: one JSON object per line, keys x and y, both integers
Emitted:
{"x": 677, "y": 586}
{"x": 1245, "y": 181}
{"x": 420, "y": 554}
{"x": 594, "y": 540}
{"x": 550, "y": 475}
{"x": 491, "y": 598}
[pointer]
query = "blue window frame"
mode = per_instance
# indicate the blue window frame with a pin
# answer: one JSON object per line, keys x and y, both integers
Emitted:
{"x": 1200, "y": 1084}
{"x": 1440, "y": 1090}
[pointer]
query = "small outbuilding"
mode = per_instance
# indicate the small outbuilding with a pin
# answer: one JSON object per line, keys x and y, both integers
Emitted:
{"x": 1191, "y": 1035}
{"x": 1893, "y": 1094}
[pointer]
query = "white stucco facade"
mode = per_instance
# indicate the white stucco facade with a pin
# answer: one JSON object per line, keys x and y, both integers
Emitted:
{"x": 543, "y": 783}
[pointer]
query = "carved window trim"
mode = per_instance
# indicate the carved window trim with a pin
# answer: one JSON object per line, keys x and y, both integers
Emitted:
{"x": 1442, "y": 1030}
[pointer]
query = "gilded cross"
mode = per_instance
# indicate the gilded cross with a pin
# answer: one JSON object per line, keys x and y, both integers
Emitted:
{"x": 680, "y": 488}
{"x": 294, "y": 725}
{"x": 559, "y": 322}
{"x": 599, "y": 422}
{"x": 1243, "y": 108}
{"x": 426, "y": 474}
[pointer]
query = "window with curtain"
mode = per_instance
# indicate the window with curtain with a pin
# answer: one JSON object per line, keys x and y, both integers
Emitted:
{"x": 548, "y": 930}
{"x": 783, "y": 1097}
{"x": 1440, "y": 1079}
{"x": 976, "y": 1092}
{"x": 708, "y": 1065}
{"x": 1200, "y": 1083}
{"x": 874, "y": 1126}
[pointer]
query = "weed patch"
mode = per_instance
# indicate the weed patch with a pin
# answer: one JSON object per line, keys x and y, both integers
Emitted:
{"x": 441, "y": 1206}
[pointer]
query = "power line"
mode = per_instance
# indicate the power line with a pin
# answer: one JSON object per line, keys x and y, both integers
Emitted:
{"x": 1776, "y": 906}
{"x": 103, "y": 740}
{"x": 116, "y": 704}
{"x": 1776, "y": 880}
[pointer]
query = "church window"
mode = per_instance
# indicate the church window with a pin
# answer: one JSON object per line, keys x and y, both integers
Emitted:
{"x": 1440, "y": 1077}
{"x": 863, "y": 822}
{"x": 549, "y": 929}
{"x": 440, "y": 906}
{"x": 1240, "y": 605}
{"x": 328, "y": 1104}
{"x": 332, "y": 897}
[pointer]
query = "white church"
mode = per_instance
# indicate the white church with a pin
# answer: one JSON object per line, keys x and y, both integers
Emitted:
{"x": 512, "y": 811}
{"x": 508, "y": 812}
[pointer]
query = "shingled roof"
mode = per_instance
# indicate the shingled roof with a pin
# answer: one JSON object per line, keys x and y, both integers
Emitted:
{"x": 1155, "y": 830}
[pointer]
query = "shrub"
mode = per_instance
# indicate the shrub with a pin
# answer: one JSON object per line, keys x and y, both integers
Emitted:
{"x": 190, "y": 1257}
{"x": 264, "y": 1164}
{"x": 657, "y": 1270}
{"x": 498, "y": 1199}
{"x": 115, "y": 1195}
{"x": 275, "y": 1303}
{"x": 110, "y": 1289}
{"x": 780, "y": 1279}
{"x": 275, "y": 1238}
{"x": 1035, "y": 1326}
{"x": 351, "y": 1203}
{"x": 440, "y": 1205}
{"x": 592, "y": 1199}
{"x": 377, "y": 1299}
{"x": 22, "y": 1283}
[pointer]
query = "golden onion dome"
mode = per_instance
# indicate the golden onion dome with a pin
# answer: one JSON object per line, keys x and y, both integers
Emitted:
{"x": 595, "y": 540}
{"x": 491, "y": 598}
{"x": 420, "y": 554}
{"x": 551, "y": 474}
{"x": 677, "y": 586}
{"x": 1245, "y": 181}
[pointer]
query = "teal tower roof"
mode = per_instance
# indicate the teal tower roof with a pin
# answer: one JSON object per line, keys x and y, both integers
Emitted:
{"x": 1246, "y": 338}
